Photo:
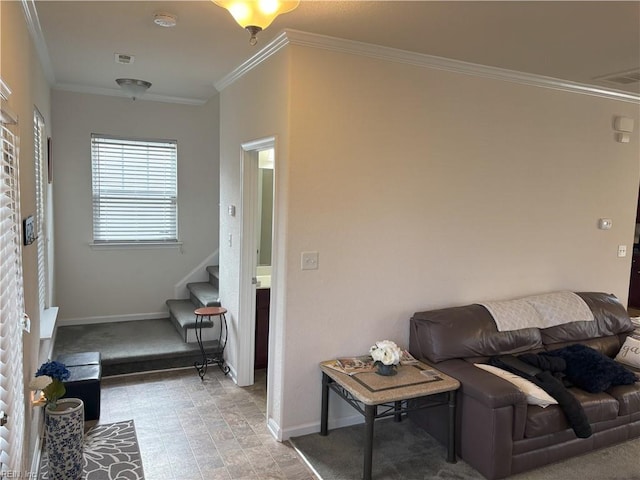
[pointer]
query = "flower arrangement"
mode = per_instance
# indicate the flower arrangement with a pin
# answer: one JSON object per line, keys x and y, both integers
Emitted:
{"x": 48, "y": 379}
{"x": 385, "y": 352}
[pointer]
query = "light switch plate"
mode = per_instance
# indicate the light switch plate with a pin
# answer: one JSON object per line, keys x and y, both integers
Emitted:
{"x": 309, "y": 261}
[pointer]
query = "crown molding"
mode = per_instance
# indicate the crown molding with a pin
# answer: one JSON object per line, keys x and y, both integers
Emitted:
{"x": 296, "y": 37}
{"x": 270, "y": 49}
{"x": 112, "y": 92}
{"x": 33, "y": 25}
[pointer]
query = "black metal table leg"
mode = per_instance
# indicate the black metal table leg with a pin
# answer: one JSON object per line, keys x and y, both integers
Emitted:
{"x": 220, "y": 360}
{"x": 200, "y": 367}
{"x": 397, "y": 417}
{"x": 324, "y": 412}
{"x": 369, "y": 418}
{"x": 451, "y": 450}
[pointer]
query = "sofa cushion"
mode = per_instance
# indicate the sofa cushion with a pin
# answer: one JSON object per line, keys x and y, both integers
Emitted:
{"x": 598, "y": 407}
{"x": 590, "y": 370}
{"x": 611, "y": 318}
{"x": 469, "y": 331}
{"x": 628, "y": 397}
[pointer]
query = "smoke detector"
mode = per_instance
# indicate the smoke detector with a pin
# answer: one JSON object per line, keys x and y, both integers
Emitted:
{"x": 165, "y": 19}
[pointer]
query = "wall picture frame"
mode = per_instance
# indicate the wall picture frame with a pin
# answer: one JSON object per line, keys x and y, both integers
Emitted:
{"x": 29, "y": 230}
{"x": 49, "y": 161}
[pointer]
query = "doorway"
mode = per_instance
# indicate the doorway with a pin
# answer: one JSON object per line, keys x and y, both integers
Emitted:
{"x": 256, "y": 258}
{"x": 263, "y": 252}
{"x": 634, "y": 279}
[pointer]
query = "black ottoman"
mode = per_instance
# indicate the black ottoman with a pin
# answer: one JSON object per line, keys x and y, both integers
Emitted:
{"x": 84, "y": 382}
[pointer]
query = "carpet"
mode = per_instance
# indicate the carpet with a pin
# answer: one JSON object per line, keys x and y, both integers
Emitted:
{"x": 110, "y": 452}
{"x": 403, "y": 451}
{"x": 131, "y": 346}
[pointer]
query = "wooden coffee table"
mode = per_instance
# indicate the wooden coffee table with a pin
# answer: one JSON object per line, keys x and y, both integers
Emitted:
{"x": 376, "y": 396}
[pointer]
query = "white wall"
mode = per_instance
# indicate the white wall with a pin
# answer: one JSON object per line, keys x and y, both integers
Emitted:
{"x": 95, "y": 283}
{"x": 422, "y": 188}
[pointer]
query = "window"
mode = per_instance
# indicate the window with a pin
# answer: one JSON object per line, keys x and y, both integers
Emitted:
{"x": 134, "y": 190}
{"x": 11, "y": 310}
{"x": 39, "y": 143}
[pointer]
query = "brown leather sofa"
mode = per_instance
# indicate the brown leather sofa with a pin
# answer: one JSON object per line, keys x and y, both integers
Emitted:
{"x": 497, "y": 432}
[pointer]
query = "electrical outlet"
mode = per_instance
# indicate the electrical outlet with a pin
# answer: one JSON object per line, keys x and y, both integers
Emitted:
{"x": 622, "y": 250}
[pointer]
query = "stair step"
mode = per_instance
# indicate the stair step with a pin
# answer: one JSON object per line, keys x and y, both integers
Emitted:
{"x": 204, "y": 293}
{"x": 182, "y": 314}
{"x": 214, "y": 275}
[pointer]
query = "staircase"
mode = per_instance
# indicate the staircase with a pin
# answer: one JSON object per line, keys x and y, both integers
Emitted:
{"x": 201, "y": 294}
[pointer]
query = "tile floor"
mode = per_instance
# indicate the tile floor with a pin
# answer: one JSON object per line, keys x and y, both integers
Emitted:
{"x": 200, "y": 430}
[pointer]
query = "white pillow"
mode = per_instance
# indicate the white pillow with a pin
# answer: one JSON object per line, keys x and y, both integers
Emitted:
{"x": 629, "y": 354}
{"x": 535, "y": 395}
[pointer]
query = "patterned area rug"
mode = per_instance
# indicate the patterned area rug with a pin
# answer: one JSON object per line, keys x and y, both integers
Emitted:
{"x": 110, "y": 452}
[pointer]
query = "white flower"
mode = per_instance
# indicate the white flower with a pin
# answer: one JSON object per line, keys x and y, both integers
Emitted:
{"x": 40, "y": 383}
{"x": 386, "y": 352}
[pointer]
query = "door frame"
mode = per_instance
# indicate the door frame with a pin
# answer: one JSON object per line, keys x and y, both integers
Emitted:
{"x": 248, "y": 258}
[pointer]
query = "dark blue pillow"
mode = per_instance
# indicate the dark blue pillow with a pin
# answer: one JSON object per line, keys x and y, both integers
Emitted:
{"x": 591, "y": 370}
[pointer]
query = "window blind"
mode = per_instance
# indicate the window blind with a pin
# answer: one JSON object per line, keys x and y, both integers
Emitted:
{"x": 11, "y": 310}
{"x": 39, "y": 159}
{"x": 134, "y": 190}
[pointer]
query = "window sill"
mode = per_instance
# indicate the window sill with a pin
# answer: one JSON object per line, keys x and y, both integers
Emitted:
{"x": 48, "y": 322}
{"x": 134, "y": 245}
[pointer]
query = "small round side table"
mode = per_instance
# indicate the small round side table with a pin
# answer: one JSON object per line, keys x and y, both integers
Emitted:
{"x": 217, "y": 357}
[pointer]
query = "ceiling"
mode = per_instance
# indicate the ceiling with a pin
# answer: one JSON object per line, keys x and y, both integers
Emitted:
{"x": 579, "y": 41}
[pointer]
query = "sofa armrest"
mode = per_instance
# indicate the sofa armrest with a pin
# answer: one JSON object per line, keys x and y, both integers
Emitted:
{"x": 492, "y": 414}
{"x": 485, "y": 387}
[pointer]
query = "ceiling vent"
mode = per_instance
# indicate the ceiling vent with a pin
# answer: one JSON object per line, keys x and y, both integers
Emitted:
{"x": 621, "y": 79}
{"x": 124, "y": 59}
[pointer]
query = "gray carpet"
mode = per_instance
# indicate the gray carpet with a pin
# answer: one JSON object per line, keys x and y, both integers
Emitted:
{"x": 110, "y": 453}
{"x": 403, "y": 451}
{"x": 132, "y": 346}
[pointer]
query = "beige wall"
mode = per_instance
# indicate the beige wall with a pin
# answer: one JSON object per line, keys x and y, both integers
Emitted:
{"x": 94, "y": 283}
{"x": 422, "y": 189}
{"x": 20, "y": 69}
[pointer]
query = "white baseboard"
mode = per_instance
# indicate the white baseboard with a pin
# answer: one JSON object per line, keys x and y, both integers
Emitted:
{"x": 313, "y": 427}
{"x": 274, "y": 428}
{"x": 232, "y": 373}
{"x": 112, "y": 318}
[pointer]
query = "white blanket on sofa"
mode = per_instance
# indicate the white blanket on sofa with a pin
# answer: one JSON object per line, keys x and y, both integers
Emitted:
{"x": 539, "y": 311}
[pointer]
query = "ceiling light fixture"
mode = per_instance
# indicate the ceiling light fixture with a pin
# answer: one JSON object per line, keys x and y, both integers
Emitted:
{"x": 165, "y": 19}
{"x": 256, "y": 15}
{"x": 132, "y": 87}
